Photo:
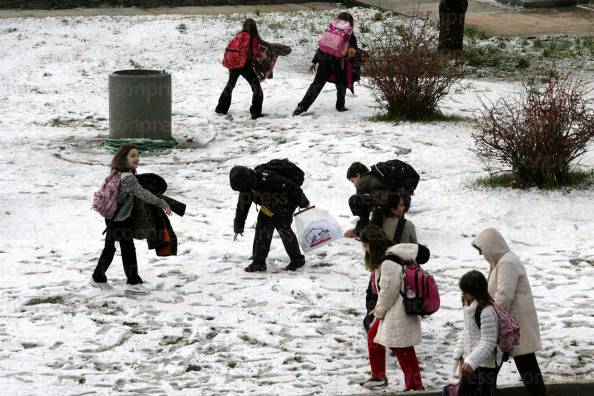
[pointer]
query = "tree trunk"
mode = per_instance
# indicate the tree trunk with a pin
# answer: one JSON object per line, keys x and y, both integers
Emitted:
{"x": 451, "y": 24}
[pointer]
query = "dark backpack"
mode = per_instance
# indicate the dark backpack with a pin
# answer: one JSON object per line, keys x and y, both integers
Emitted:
{"x": 285, "y": 168}
{"x": 396, "y": 175}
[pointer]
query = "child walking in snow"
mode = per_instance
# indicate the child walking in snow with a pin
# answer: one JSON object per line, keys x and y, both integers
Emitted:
{"x": 242, "y": 50}
{"x": 331, "y": 66}
{"x": 120, "y": 225}
{"x": 392, "y": 327}
{"x": 477, "y": 347}
{"x": 390, "y": 216}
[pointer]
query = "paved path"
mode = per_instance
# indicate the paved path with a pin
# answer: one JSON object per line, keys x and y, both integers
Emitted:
{"x": 492, "y": 17}
{"x": 133, "y": 11}
{"x": 503, "y": 20}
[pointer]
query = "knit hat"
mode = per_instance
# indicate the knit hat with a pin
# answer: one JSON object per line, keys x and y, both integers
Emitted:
{"x": 242, "y": 179}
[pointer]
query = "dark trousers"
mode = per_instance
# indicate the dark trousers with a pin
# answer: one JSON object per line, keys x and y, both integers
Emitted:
{"x": 481, "y": 382}
{"x": 257, "y": 95}
{"x": 265, "y": 227}
{"x": 326, "y": 68}
{"x": 531, "y": 375}
{"x": 121, "y": 232}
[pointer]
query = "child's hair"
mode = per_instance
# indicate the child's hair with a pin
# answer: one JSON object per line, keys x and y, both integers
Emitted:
{"x": 378, "y": 243}
{"x": 475, "y": 284}
{"x": 356, "y": 169}
{"x": 249, "y": 25}
{"x": 382, "y": 212}
{"x": 345, "y": 16}
{"x": 119, "y": 163}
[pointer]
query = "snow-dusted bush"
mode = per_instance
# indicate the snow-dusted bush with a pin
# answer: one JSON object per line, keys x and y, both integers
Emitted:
{"x": 406, "y": 74}
{"x": 539, "y": 133}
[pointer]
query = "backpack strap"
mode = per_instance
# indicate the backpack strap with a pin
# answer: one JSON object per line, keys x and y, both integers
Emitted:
{"x": 399, "y": 230}
{"x": 477, "y": 316}
{"x": 397, "y": 260}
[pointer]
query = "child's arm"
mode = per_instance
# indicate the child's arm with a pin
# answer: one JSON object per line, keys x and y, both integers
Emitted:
{"x": 295, "y": 193}
{"x": 488, "y": 341}
{"x": 244, "y": 202}
{"x": 131, "y": 185}
{"x": 389, "y": 288}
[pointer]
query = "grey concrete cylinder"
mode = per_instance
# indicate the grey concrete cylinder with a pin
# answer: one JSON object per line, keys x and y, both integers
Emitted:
{"x": 140, "y": 104}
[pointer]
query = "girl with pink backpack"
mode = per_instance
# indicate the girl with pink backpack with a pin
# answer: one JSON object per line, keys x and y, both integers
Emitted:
{"x": 392, "y": 327}
{"x": 115, "y": 201}
{"x": 336, "y": 47}
{"x": 477, "y": 349}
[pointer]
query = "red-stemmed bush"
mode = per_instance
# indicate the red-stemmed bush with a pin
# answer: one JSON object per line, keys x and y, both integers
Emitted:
{"x": 538, "y": 134}
{"x": 406, "y": 73}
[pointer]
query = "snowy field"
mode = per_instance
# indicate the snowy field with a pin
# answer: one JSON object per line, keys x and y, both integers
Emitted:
{"x": 209, "y": 327}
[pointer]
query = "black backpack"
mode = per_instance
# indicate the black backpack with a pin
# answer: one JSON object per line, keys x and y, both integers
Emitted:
{"x": 396, "y": 175}
{"x": 285, "y": 168}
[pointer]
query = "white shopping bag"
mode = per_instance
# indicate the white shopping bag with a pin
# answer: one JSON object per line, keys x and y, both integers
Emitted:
{"x": 315, "y": 228}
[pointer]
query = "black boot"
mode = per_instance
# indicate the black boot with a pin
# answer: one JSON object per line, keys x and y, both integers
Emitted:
{"x": 255, "y": 267}
{"x": 298, "y": 110}
{"x": 294, "y": 265}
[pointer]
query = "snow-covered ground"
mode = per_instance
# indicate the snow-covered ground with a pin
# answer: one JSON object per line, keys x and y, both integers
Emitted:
{"x": 209, "y": 327}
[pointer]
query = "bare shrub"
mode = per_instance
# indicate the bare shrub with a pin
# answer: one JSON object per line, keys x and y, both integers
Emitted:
{"x": 406, "y": 73}
{"x": 539, "y": 133}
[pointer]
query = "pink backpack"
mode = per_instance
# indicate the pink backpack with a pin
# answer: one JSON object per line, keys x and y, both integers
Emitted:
{"x": 105, "y": 201}
{"x": 508, "y": 335}
{"x": 419, "y": 291}
{"x": 335, "y": 40}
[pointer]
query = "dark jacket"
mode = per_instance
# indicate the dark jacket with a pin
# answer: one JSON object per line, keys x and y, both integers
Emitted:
{"x": 273, "y": 191}
{"x": 370, "y": 303}
{"x": 150, "y": 222}
{"x": 370, "y": 183}
{"x": 351, "y": 69}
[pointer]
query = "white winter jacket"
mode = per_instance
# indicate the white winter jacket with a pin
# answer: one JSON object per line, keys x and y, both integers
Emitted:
{"x": 477, "y": 346}
{"x": 397, "y": 329}
{"x": 510, "y": 288}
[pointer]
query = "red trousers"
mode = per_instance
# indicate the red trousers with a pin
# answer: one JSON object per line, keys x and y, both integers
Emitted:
{"x": 407, "y": 358}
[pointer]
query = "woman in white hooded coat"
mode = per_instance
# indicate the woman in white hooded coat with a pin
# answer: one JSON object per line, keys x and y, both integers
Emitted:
{"x": 392, "y": 328}
{"x": 510, "y": 288}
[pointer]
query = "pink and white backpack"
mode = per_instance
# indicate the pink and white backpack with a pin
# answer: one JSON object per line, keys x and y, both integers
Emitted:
{"x": 419, "y": 290}
{"x": 105, "y": 200}
{"x": 335, "y": 40}
{"x": 508, "y": 334}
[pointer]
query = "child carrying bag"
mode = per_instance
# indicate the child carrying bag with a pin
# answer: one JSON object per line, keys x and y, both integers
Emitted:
{"x": 316, "y": 228}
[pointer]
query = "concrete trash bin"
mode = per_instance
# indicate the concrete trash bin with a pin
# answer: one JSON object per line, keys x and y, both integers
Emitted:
{"x": 140, "y": 105}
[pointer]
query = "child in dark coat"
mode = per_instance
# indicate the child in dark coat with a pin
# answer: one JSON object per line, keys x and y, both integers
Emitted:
{"x": 371, "y": 192}
{"x": 239, "y": 56}
{"x": 278, "y": 198}
{"x": 330, "y": 68}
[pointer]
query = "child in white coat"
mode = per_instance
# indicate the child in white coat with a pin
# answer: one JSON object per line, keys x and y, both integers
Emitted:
{"x": 477, "y": 346}
{"x": 392, "y": 327}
